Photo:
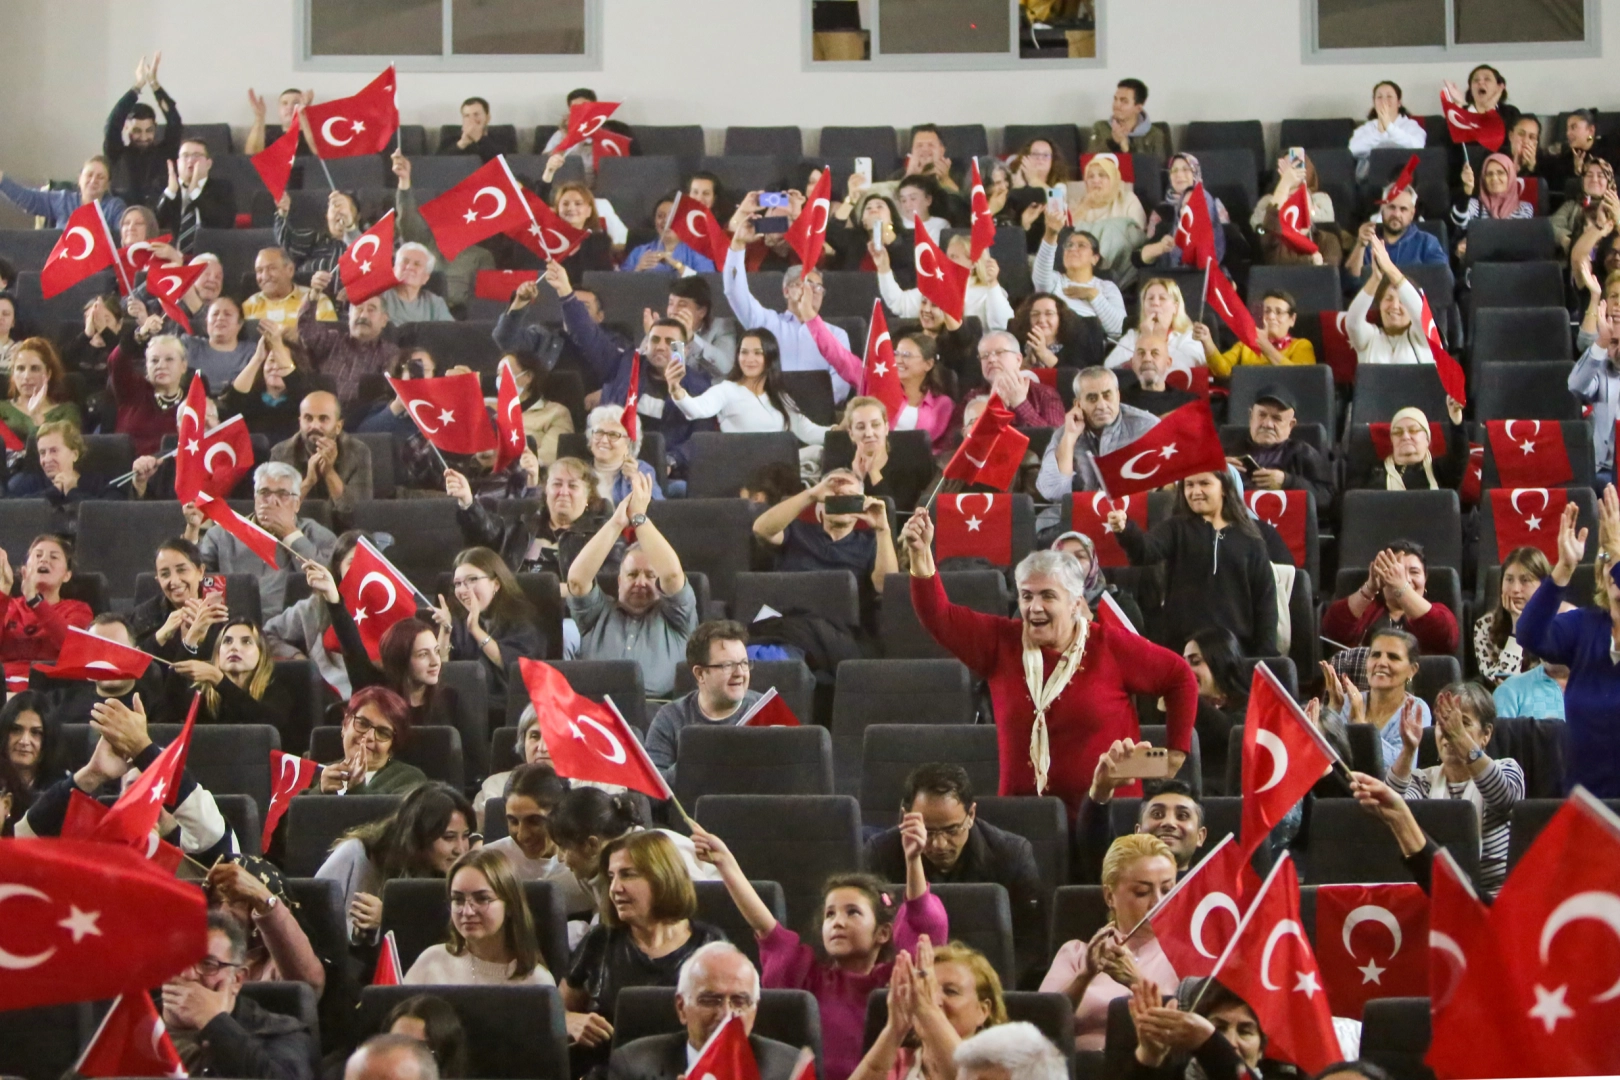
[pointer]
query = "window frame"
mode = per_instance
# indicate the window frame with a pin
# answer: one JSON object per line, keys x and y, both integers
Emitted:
{"x": 1008, "y": 61}
{"x": 305, "y": 58}
{"x": 1452, "y": 50}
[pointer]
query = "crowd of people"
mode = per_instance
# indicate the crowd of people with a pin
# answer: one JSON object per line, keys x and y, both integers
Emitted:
{"x": 1089, "y": 357}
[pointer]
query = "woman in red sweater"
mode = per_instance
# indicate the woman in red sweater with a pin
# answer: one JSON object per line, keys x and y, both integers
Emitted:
{"x": 1060, "y": 683}
{"x": 36, "y": 622}
{"x": 1392, "y": 596}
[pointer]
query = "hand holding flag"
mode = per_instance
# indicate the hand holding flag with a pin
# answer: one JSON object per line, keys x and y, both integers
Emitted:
{"x": 808, "y": 233}
{"x": 367, "y": 266}
{"x": 588, "y": 741}
{"x": 992, "y": 451}
{"x": 585, "y": 119}
{"x": 353, "y": 126}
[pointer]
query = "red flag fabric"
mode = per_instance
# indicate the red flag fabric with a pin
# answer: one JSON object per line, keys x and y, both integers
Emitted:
{"x": 393, "y": 597}
{"x": 585, "y": 118}
{"x": 188, "y": 449}
{"x": 486, "y": 203}
{"x": 727, "y": 1055}
{"x": 699, "y": 229}
{"x": 131, "y": 1041}
{"x": 1188, "y": 923}
{"x": 1194, "y": 381}
{"x": 808, "y": 233}
{"x": 1451, "y": 372}
{"x": 1271, "y": 941}
{"x": 1466, "y": 126}
{"x": 135, "y": 814}
{"x": 1527, "y": 517}
{"x": 769, "y": 711}
{"x": 547, "y": 235}
{"x": 86, "y": 248}
{"x": 1403, "y": 179}
{"x": 389, "y": 972}
{"x": 608, "y": 143}
{"x": 1284, "y": 511}
{"x": 448, "y": 411}
{"x": 367, "y": 266}
{"x": 13, "y": 441}
{"x": 1124, "y": 162}
{"x": 509, "y": 430}
{"x": 89, "y": 656}
{"x": 1283, "y": 756}
{"x": 274, "y": 163}
{"x": 1182, "y": 443}
{"x": 1459, "y": 927}
{"x": 967, "y": 528}
{"x": 1337, "y": 352}
{"x": 629, "y": 416}
{"x": 499, "y": 285}
{"x": 169, "y": 284}
{"x": 258, "y": 541}
{"x": 880, "y": 376}
{"x": 289, "y": 775}
{"x": 1531, "y": 456}
{"x": 1195, "y": 232}
{"x": 1530, "y": 190}
{"x": 1388, "y": 958}
{"x": 984, "y": 225}
{"x": 1294, "y": 221}
{"x": 1088, "y": 514}
{"x": 135, "y": 260}
{"x": 1224, "y": 298}
{"x": 352, "y": 126}
{"x": 992, "y": 451}
{"x": 943, "y": 282}
{"x": 223, "y": 456}
{"x": 1473, "y": 480}
{"x": 1379, "y": 433}
{"x": 1109, "y": 613}
{"x": 609, "y": 754}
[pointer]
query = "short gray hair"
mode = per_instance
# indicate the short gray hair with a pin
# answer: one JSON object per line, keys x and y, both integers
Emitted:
{"x": 689, "y": 970}
{"x": 1058, "y": 564}
{"x": 427, "y": 1067}
{"x": 421, "y": 249}
{"x": 1019, "y": 1047}
{"x": 1096, "y": 371}
{"x": 790, "y": 275}
{"x": 1474, "y": 699}
{"x": 1012, "y": 340}
{"x": 616, "y": 414}
{"x": 526, "y": 721}
{"x": 277, "y": 470}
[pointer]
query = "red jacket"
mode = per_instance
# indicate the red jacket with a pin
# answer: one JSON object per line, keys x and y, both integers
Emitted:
{"x": 1436, "y": 632}
{"x": 36, "y": 632}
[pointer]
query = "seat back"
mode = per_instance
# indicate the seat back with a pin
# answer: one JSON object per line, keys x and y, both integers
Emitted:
{"x": 1516, "y": 284}
{"x": 1078, "y": 912}
{"x": 684, "y": 142}
{"x": 725, "y": 760}
{"x": 871, "y": 692}
{"x": 723, "y": 463}
{"x": 1371, "y": 519}
{"x": 1384, "y": 389}
{"x": 1520, "y": 333}
{"x": 23, "y": 519}
{"x": 1316, "y": 134}
{"x": 471, "y": 684}
{"x": 797, "y": 841}
{"x": 1525, "y": 391}
{"x": 294, "y": 999}
{"x": 1202, "y": 136}
{"x": 1430, "y": 181}
{"x": 892, "y": 751}
{"x": 1043, "y": 821}
{"x": 903, "y": 635}
{"x": 812, "y": 391}
{"x": 1528, "y": 818}
{"x": 785, "y": 141}
{"x": 716, "y": 907}
{"x": 1065, "y": 140}
{"x": 1532, "y": 504}
{"x": 877, "y": 143}
{"x": 788, "y": 1016}
{"x": 1314, "y": 288}
{"x": 1311, "y": 386}
{"x": 831, "y": 594}
{"x": 315, "y": 822}
{"x": 596, "y": 679}
{"x": 241, "y": 813}
{"x": 1395, "y": 1034}
{"x": 513, "y": 1032}
{"x": 1511, "y": 240}
{"x": 635, "y": 185}
{"x": 1232, "y": 176}
{"x": 117, "y": 539}
{"x": 712, "y": 536}
{"x": 1347, "y": 846}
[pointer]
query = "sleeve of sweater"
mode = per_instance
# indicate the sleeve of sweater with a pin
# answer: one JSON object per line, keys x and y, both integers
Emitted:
{"x": 785, "y": 962}
{"x": 1436, "y": 629}
{"x": 906, "y": 303}
{"x": 848, "y": 366}
{"x": 924, "y": 915}
{"x": 749, "y": 312}
{"x": 233, "y": 1051}
{"x": 1542, "y": 631}
{"x": 1501, "y": 784}
{"x": 1156, "y": 671}
{"x": 511, "y": 335}
{"x": 1263, "y": 603}
{"x": 971, "y": 636}
{"x": 1357, "y": 328}
{"x": 1339, "y": 624}
{"x": 1156, "y": 545}
{"x": 237, "y": 706}
{"x": 594, "y": 343}
{"x": 34, "y": 202}
{"x": 1045, "y": 278}
{"x": 712, "y": 402}
{"x": 663, "y": 738}
{"x": 290, "y": 948}
{"x": 1587, "y": 377}
{"x": 998, "y": 309}
{"x": 1109, "y": 305}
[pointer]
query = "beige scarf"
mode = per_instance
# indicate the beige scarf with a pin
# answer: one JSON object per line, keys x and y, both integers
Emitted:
{"x": 1392, "y": 472}
{"x": 1043, "y": 694}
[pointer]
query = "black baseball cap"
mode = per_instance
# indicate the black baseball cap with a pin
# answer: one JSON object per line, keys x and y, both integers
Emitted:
{"x": 1279, "y": 395}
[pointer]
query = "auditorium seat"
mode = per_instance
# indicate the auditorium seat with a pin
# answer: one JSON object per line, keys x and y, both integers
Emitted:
{"x": 962, "y": 141}
{"x": 831, "y": 594}
{"x": 1078, "y": 912}
{"x": 1312, "y": 387}
{"x": 1516, "y": 284}
{"x": 433, "y": 748}
{"x": 308, "y": 694}
{"x": 1316, "y": 134}
{"x": 432, "y": 176}
{"x": 1520, "y": 333}
{"x": 849, "y": 292}
{"x": 1346, "y": 845}
{"x": 424, "y": 530}
{"x": 903, "y": 635}
{"x": 293, "y": 999}
{"x": 453, "y": 343}
{"x": 980, "y": 916}
{"x": 684, "y": 142}
{"x": 891, "y": 751}
{"x": 871, "y": 692}
{"x": 727, "y": 760}
{"x": 1371, "y": 519}
{"x": 1314, "y": 288}
{"x": 67, "y": 306}
{"x": 1395, "y": 1036}
{"x": 634, "y": 185}
{"x": 241, "y": 595}
{"x": 227, "y": 759}
{"x": 28, "y": 249}
{"x": 1535, "y": 390}
{"x": 471, "y": 683}
{"x": 513, "y": 1032}
{"x": 1022, "y": 525}
{"x": 1384, "y": 389}
{"x": 788, "y": 1016}
{"x": 877, "y": 143}
{"x": 1577, "y": 439}
{"x": 712, "y": 536}
{"x": 1532, "y": 503}
{"x": 1522, "y": 240}
{"x": 237, "y": 250}
{"x": 23, "y": 519}
{"x": 1204, "y": 136}
{"x": 741, "y": 173}
{"x": 812, "y": 393}
{"x": 624, "y": 296}
{"x": 797, "y": 841}
{"x": 118, "y": 539}
{"x": 1232, "y": 176}
{"x": 1223, "y": 814}
{"x": 417, "y": 910}
{"x": 791, "y": 679}
{"x": 1541, "y": 748}
{"x": 784, "y": 141}
{"x": 314, "y": 823}
{"x": 721, "y": 464}
{"x": 1529, "y": 817}
{"x": 619, "y": 679}
{"x": 1042, "y": 820}
{"x": 715, "y": 907}
{"x": 364, "y": 171}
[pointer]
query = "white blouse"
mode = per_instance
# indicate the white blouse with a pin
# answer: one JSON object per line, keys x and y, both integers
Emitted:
{"x": 436, "y": 967}
{"x": 1373, "y": 346}
{"x": 988, "y": 302}
{"x": 740, "y": 409}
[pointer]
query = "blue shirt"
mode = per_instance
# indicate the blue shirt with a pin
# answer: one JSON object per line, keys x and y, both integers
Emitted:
{"x": 698, "y": 264}
{"x": 1416, "y": 247}
{"x": 799, "y": 350}
{"x": 57, "y": 206}
{"x": 1531, "y": 693}
{"x": 1580, "y": 639}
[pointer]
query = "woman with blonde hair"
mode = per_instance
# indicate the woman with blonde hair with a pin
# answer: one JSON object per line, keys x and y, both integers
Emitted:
{"x": 1163, "y": 308}
{"x": 948, "y": 994}
{"x": 238, "y": 684}
{"x": 1107, "y": 208}
{"x": 491, "y": 935}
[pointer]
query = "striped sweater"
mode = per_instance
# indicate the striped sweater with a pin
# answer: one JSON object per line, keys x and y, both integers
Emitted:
{"x": 1500, "y": 786}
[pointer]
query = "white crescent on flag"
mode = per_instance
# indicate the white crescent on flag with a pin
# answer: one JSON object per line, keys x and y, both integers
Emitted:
{"x": 500, "y": 201}
{"x": 388, "y": 587}
{"x": 218, "y": 448}
{"x": 1284, "y": 928}
{"x": 89, "y": 243}
{"x": 326, "y": 131}
{"x": 412, "y": 407}
{"x": 617, "y": 756}
{"x": 1271, "y": 744}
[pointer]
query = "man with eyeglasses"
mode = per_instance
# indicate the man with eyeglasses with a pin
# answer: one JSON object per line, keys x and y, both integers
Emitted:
{"x": 1001, "y": 363}
{"x": 193, "y": 199}
{"x": 277, "y": 498}
{"x": 217, "y": 1032}
{"x": 717, "y": 652}
{"x": 715, "y": 982}
{"x": 962, "y": 849}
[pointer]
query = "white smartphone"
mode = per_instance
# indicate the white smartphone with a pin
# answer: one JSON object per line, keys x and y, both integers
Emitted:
{"x": 877, "y": 233}
{"x": 1296, "y": 155}
{"x": 1058, "y": 193}
{"x": 863, "y": 165}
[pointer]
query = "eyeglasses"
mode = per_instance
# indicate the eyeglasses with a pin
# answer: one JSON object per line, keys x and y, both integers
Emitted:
{"x": 362, "y": 726}
{"x": 729, "y": 666}
{"x": 948, "y": 832}
{"x": 273, "y": 495}
{"x": 993, "y": 353}
{"x": 209, "y": 967}
{"x": 814, "y": 286}
{"x": 469, "y": 581}
{"x": 737, "y": 1002}
{"x": 473, "y": 900}
{"x": 609, "y": 436}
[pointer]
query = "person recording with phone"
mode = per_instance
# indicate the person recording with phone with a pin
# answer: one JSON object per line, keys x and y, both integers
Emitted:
{"x": 1394, "y": 223}
{"x": 833, "y": 542}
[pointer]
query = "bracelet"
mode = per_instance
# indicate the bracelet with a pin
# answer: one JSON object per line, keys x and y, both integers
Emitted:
{"x": 485, "y": 643}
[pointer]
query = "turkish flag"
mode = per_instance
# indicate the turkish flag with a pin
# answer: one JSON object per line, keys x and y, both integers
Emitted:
{"x": 1390, "y": 917}
{"x": 132, "y": 818}
{"x": 86, "y": 248}
{"x": 131, "y": 1041}
{"x": 1403, "y": 179}
{"x": 943, "y": 282}
{"x": 1284, "y": 511}
{"x": 1530, "y": 190}
{"x": 367, "y": 266}
{"x": 1451, "y": 372}
{"x": 274, "y": 163}
{"x": 608, "y": 143}
{"x": 1182, "y": 443}
{"x": 880, "y": 376}
{"x": 628, "y": 416}
{"x": 609, "y": 754}
{"x": 1485, "y": 128}
{"x": 509, "y": 430}
{"x": 1124, "y": 162}
{"x": 585, "y": 119}
{"x": 1188, "y": 922}
{"x": 1195, "y": 232}
{"x": 808, "y": 233}
{"x": 1088, "y": 514}
{"x": 769, "y": 711}
{"x": 1293, "y": 1011}
{"x": 289, "y": 775}
{"x": 1379, "y": 433}
{"x": 1109, "y": 613}
{"x": 1536, "y": 459}
{"x": 1223, "y": 297}
{"x": 394, "y": 598}
{"x": 1337, "y": 352}
{"x": 1459, "y": 930}
{"x": 449, "y": 411}
{"x": 699, "y": 229}
{"x": 224, "y": 456}
{"x": 992, "y": 451}
{"x": 253, "y": 535}
{"x": 13, "y": 441}
{"x": 352, "y": 126}
{"x": 135, "y": 260}
{"x": 965, "y": 529}
{"x": 727, "y": 1055}
{"x": 1193, "y": 380}
{"x": 488, "y": 202}
{"x": 1527, "y": 517}
{"x": 188, "y": 449}
{"x": 984, "y": 226}
{"x": 1294, "y": 221}
{"x": 500, "y": 285}
{"x": 547, "y": 235}
{"x": 1283, "y": 757}
{"x": 1473, "y": 480}
{"x": 169, "y": 284}
{"x": 89, "y": 656}
{"x": 389, "y": 972}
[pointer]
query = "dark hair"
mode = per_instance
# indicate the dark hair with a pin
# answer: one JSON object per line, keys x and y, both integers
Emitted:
{"x": 1285, "y": 296}
{"x": 697, "y": 646}
{"x": 112, "y": 618}
{"x": 589, "y": 811}
{"x": 11, "y": 784}
{"x": 877, "y": 895}
{"x": 933, "y": 381}
{"x": 722, "y": 201}
{"x": 185, "y": 549}
{"x": 924, "y": 183}
{"x": 1137, "y": 87}
{"x": 775, "y": 390}
{"x": 1232, "y": 508}
{"x": 1222, "y": 655}
{"x": 1365, "y": 1069}
{"x": 584, "y": 92}
{"x": 1408, "y": 547}
{"x": 394, "y": 709}
{"x": 476, "y": 101}
{"x": 1486, "y": 67}
{"x": 226, "y": 923}
{"x": 395, "y": 649}
{"x": 142, "y": 111}
{"x": 446, "y": 1039}
{"x": 1414, "y": 651}
{"x": 398, "y": 845}
{"x": 1069, "y": 325}
{"x": 8, "y": 275}
{"x": 509, "y": 606}
{"x": 60, "y": 541}
{"x": 927, "y": 129}
{"x": 47, "y": 768}
{"x": 1058, "y": 173}
{"x": 940, "y": 779}
{"x": 673, "y": 323}
{"x": 1535, "y": 561}
{"x": 346, "y": 543}
{"x": 775, "y": 480}
{"x": 539, "y": 782}
{"x": 1152, "y": 789}
{"x": 695, "y": 289}
{"x": 1372, "y": 114}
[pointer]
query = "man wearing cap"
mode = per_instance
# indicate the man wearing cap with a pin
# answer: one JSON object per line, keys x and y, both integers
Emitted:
{"x": 1285, "y": 463}
{"x": 1581, "y": 144}
{"x": 1407, "y": 244}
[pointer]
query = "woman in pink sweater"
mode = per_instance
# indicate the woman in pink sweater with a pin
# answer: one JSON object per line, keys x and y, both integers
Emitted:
{"x": 927, "y": 407}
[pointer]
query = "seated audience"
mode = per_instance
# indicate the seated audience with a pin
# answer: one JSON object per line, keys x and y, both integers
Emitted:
{"x": 220, "y": 354}
{"x": 751, "y": 397}
{"x": 335, "y": 464}
{"x": 460, "y": 273}
{"x": 1286, "y": 463}
{"x": 1524, "y": 146}
{"x": 915, "y": 197}
{"x": 1577, "y": 215}
{"x": 1582, "y": 146}
{"x": 1168, "y": 810}
{"x": 37, "y": 617}
{"x": 1164, "y": 309}
{"x": 8, "y": 321}
{"x": 1388, "y": 126}
{"x": 1497, "y": 652}
{"x": 1595, "y": 382}
{"x": 1035, "y": 173}
{"x": 1411, "y": 465}
{"x": 1222, "y": 1036}
{"x": 928, "y": 158}
{"x": 866, "y": 420}
{"x": 949, "y": 994}
{"x": 376, "y": 724}
{"x": 39, "y": 393}
{"x": 76, "y": 702}
{"x": 1274, "y": 251}
{"x": 1497, "y": 199}
{"x": 476, "y": 136}
{"x": 1001, "y": 366}
{"x": 237, "y": 684}
{"x": 833, "y": 542}
{"x": 315, "y": 250}
{"x": 1084, "y": 550}
{"x": 1099, "y": 423}
{"x": 147, "y": 397}
{"x": 717, "y": 653}
{"x": 410, "y": 301}
{"x": 1277, "y": 345}
{"x": 928, "y": 405}
{"x": 711, "y": 339}
{"x": 532, "y": 792}
{"x": 1086, "y": 294}
{"x": 346, "y": 357}
{"x": 1537, "y": 694}
{"x": 1392, "y": 596}
{"x": 985, "y": 300}
{"x": 666, "y": 253}
{"x": 574, "y": 203}
{"x": 277, "y": 498}
{"x": 430, "y": 1021}
{"x": 490, "y": 619}
{"x": 181, "y": 621}
{"x": 866, "y": 216}
{"x": 33, "y": 749}
{"x": 268, "y": 392}
{"x": 253, "y": 892}
{"x": 491, "y": 936}
{"x": 1127, "y": 129}
{"x": 1399, "y": 337}
{"x": 59, "y": 448}
{"x": 588, "y": 819}
{"x": 57, "y": 206}
{"x": 1405, "y": 243}
{"x": 530, "y": 748}
{"x": 1161, "y": 250}
{"x": 547, "y": 541}
{"x": 1055, "y": 335}
{"x": 412, "y": 656}
{"x": 1390, "y": 663}
{"x": 1150, "y": 366}
{"x": 1215, "y": 657}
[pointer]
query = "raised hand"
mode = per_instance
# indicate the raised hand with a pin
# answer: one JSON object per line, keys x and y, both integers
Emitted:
{"x": 1571, "y": 543}
{"x": 456, "y": 486}
{"x": 1412, "y": 722}
{"x": 913, "y": 836}
{"x": 918, "y": 532}
{"x": 256, "y": 103}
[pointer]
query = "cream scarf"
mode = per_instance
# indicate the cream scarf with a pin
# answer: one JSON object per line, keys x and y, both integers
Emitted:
{"x": 1043, "y": 694}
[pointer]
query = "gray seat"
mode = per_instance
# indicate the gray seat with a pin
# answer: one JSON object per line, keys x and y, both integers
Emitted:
{"x": 424, "y": 530}
{"x": 904, "y": 637}
{"x": 797, "y": 841}
{"x": 1522, "y": 240}
{"x": 1520, "y": 333}
{"x": 624, "y": 296}
{"x": 812, "y": 393}
{"x": 1316, "y": 134}
{"x": 454, "y": 343}
{"x": 1516, "y": 284}
{"x": 1430, "y": 182}
{"x": 435, "y": 175}
{"x": 872, "y": 692}
{"x": 513, "y": 1032}
{"x": 1043, "y": 821}
{"x": 67, "y": 306}
{"x": 1347, "y": 845}
{"x": 1314, "y": 288}
{"x": 1395, "y": 1034}
{"x": 712, "y": 536}
{"x": 784, "y": 141}
{"x": 28, "y": 249}
{"x": 314, "y": 823}
{"x": 294, "y": 999}
{"x": 832, "y": 594}
{"x": 1384, "y": 389}
{"x": 892, "y": 751}
{"x": 241, "y": 813}
{"x": 726, "y": 760}
{"x": 1232, "y": 176}
{"x": 849, "y": 292}
{"x": 877, "y": 143}
{"x": 742, "y": 173}
{"x": 1529, "y": 817}
{"x": 619, "y": 679}
{"x": 791, "y": 679}
{"x": 237, "y": 249}
{"x": 684, "y": 142}
{"x": 1534, "y": 390}
{"x": 715, "y": 907}
{"x": 1203, "y": 136}
{"x": 471, "y": 684}
{"x": 635, "y": 185}
{"x": 1311, "y": 386}
{"x": 722, "y": 463}
{"x": 1078, "y": 911}
{"x": 23, "y": 519}
{"x": 962, "y": 141}
{"x": 1371, "y": 519}
{"x": 362, "y": 171}
{"x": 227, "y": 759}
{"x": 788, "y": 1016}
{"x": 117, "y": 539}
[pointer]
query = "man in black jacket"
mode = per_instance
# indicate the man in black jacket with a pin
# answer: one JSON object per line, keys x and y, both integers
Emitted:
{"x": 962, "y": 849}
{"x": 193, "y": 199}
{"x": 136, "y": 157}
{"x": 1285, "y": 463}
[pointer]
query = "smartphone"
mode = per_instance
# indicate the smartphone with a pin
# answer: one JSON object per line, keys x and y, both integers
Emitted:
{"x": 772, "y": 200}
{"x": 844, "y": 504}
{"x": 677, "y": 351}
{"x": 1296, "y": 155}
{"x": 213, "y": 585}
{"x": 877, "y": 233}
{"x": 1250, "y": 465}
{"x": 414, "y": 370}
{"x": 863, "y": 165}
{"x": 770, "y": 224}
{"x": 1058, "y": 193}
{"x": 1145, "y": 763}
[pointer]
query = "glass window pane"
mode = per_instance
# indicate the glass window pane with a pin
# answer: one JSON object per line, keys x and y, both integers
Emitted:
{"x": 837, "y": 31}
{"x": 1058, "y": 29}
{"x": 1382, "y": 24}
{"x": 943, "y": 26}
{"x": 376, "y": 27}
{"x": 518, "y": 27}
{"x": 1489, "y": 22}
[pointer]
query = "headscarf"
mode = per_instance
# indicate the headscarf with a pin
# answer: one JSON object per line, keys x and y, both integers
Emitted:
{"x": 1095, "y": 585}
{"x": 1217, "y": 209}
{"x": 1506, "y": 204}
{"x": 1392, "y": 471}
{"x": 1116, "y": 200}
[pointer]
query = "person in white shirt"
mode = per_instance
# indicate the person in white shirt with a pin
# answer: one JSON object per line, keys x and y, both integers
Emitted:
{"x": 985, "y": 298}
{"x": 1077, "y": 283}
{"x": 917, "y": 196}
{"x": 1388, "y": 125}
{"x": 492, "y": 940}
{"x": 1400, "y": 339}
{"x": 751, "y": 398}
{"x": 1162, "y": 306}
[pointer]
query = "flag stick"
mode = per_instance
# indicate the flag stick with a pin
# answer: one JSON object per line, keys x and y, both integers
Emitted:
{"x": 934, "y": 494}
{"x": 1203, "y": 297}
{"x": 436, "y": 454}
{"x": 127, "y": 477}
{"x": 330, "y": 182}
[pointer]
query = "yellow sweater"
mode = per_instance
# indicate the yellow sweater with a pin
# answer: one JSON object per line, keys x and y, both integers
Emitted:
{"x": 1299, "y": 353}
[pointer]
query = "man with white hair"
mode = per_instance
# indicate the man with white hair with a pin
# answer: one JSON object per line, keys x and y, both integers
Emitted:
{"x": 715, "y": 982}
{"x": 1015, "y": 1051}
{"x": 410, "y": 301}
{"x": 392, "y": 1057}
{"x": 277, "y": 496}
{"x": 1001, "y": 363}
{"x": 1097, "y": 424}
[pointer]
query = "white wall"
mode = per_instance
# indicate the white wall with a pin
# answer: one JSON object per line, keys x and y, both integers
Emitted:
{"x": 714, "y": 62}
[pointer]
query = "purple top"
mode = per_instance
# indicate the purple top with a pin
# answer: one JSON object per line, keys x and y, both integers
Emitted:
{"x": 789, "y": 964}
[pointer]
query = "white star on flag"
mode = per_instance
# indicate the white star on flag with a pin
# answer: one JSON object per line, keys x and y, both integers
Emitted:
{"x": 357, "y": 126}
{"x": 81, "y": 923}
{"x": 515, "y": 438}
{"x": 973, "y": 524}
{"x": 365, "y": 267}
{"x": 1307, "y": 984}
{"x": 880, "y": 370}
{"x": 1551, "y": 1008}
{"x": 1371, "y": 973}
{"x": 360, "y": 616}
{"x": 471, "y": 216}
{"x": 193, "y": 446}
{"x": 1527, "y": 446}
{"x": 1168, "y": 452}
{"x": 446, "y": 416}
{"x": 1532, "y": 523}
{"x": 158, "y": 790}
{"x": 534, "y": 228}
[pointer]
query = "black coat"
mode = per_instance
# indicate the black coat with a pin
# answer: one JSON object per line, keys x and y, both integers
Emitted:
{"x": 663, "y": 1057}
{"x": 252, "y": 1043}
{"x": 1223, "y": 580}
{"x": 1304, "y": 468}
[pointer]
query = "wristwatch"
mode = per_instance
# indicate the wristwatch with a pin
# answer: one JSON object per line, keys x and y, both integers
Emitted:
{"x": 1475, "y": 754}
{"x": 637, "y": 520}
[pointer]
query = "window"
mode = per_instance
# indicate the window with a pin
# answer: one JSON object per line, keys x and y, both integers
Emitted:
{"x": 1354, "y": 31}
{"x": 944, "y": 35}
{"x": 452, "y": 35}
